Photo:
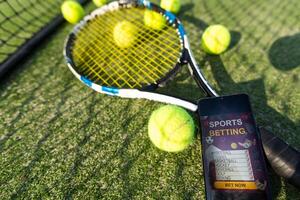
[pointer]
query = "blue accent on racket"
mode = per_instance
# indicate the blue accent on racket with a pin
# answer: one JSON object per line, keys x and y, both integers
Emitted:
{"x": 110, "y": 90}
{"x": 170, "y": 16}
{"x": 86, "y": 81}
{"x": 181, "y": 30}
{"x": 147, "y": 4}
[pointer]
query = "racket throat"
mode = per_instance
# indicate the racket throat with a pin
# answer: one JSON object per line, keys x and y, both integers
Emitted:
{"x": 198, "y": 75}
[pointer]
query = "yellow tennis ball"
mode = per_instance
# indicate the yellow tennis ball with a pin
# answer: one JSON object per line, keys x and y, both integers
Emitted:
{"x": 215, "y": 39}
{"x": 171, "y": 128}
{"x": 125, "y": 34}
{"x": 154, "y": 20}
{"x": 99, "y": 3}
{"x": 170, "y": 5}
{"x": 72, "y": 11}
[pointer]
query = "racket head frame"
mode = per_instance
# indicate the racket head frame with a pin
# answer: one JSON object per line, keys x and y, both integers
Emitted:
{"x": 185, "y": 57}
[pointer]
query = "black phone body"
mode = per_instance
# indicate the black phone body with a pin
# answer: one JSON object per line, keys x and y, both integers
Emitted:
{"x": 233, "y": 159}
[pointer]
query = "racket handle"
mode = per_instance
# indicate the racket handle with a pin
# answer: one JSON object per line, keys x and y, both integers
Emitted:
{"x": 284, "y": 159}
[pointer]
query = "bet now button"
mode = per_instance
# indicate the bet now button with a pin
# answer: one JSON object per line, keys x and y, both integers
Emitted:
{"x": 235, "y": 185}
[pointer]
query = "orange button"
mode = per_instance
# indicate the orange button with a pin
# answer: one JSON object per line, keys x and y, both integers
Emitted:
{"x": 235, "y": 185}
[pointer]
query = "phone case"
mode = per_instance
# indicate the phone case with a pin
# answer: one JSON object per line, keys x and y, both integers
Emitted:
{"x": 232, "y": 151}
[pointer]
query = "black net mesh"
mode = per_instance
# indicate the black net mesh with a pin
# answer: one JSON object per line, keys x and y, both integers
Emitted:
{"x": 20, "y": 20}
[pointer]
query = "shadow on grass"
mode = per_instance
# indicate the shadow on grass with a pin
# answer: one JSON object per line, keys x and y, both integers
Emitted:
{"x": 284, "y": 53}
{"x": 235, "y": 38}
{"x": 30, "y": 98}
{"x": 131, "y": 183}
{"x": 186, "y": 8}
{"x": 38, "y": 152}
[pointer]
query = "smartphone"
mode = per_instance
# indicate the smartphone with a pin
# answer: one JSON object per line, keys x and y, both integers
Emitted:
{"x": 233, "y": 159}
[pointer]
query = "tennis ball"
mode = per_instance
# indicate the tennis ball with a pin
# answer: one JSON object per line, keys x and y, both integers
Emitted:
{"x": 99, "y": 3}
{"x": 171, "y": 128}
{"x": 154, "y": 20}
{"x": 215, "y": 39}
{"x": 170, "y": 5}
{"x": 125, "y": 34}
{"x": 72, "y": 11}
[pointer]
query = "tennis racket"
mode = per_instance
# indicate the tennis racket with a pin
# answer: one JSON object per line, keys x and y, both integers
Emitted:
{"x": 155, "y": 57}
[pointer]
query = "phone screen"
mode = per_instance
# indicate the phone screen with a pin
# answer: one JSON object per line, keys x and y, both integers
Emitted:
{"x": 232, "y": 151}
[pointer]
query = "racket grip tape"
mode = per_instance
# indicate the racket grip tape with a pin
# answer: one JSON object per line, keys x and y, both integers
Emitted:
{"x": 284, "y": 159}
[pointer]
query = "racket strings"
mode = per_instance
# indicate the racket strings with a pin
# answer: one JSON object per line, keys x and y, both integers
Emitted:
{"x": 97, "y": 57}
{"x": 140, "y": 68}
{"x": 152, "y": 35}
{"x": 148, "y": 73}
{"x": 153, "y": 74}
{"x": 96, "y": 72}
{"x": 114, "y": 60}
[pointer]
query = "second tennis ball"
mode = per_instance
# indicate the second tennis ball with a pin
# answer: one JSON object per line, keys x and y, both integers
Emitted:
{"x": 170, "y": 5}
{"x": 99, "y": 3}
{"x": 125, "y": 34}
{"x": 171, "y": 128}
{"x": 154, "y": 20}
{"x": 72, "y": 11}
{"x": 215, "y": 39}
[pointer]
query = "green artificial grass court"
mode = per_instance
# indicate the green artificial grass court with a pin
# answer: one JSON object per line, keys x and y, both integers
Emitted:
{"x": 61, "y": 140}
